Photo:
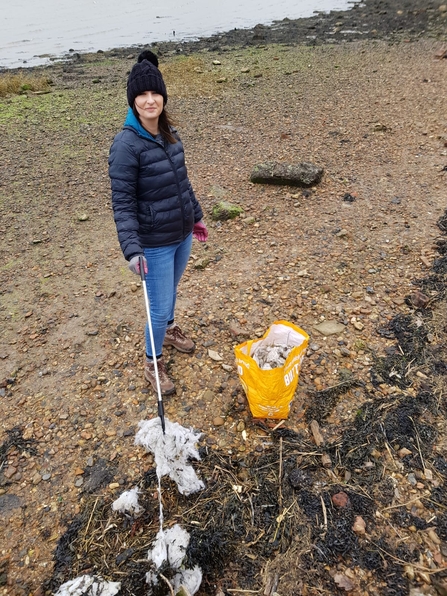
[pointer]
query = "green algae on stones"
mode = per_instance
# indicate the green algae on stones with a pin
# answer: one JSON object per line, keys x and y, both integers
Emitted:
{"x": 223, "y": 210}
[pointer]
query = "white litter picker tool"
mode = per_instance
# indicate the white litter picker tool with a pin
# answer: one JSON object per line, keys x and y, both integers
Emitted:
{"x": 161, "y": 411}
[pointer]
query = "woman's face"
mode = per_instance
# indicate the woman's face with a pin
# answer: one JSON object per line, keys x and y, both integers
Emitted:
{"x": 149, "y": 106}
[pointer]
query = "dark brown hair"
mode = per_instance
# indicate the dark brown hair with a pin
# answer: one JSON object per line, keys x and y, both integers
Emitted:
{"x": 165, "y": 123}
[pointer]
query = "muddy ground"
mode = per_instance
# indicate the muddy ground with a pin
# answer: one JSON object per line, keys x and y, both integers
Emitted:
{"x": 365, "y": 248}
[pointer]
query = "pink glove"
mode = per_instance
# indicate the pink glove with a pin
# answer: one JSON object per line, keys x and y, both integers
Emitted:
{"x": 134, "y": 264}
{"x": 200, "y": 232}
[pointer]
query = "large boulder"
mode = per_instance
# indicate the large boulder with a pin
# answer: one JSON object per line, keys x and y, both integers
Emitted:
{"x": 303, "y": 174}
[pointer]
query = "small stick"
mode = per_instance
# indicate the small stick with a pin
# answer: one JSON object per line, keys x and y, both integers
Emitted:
{"x": 171, "y": 589}
{"x": 271, "y": 585}
{"x": 303, "y": 453}
{"x": 318, "y": 437}
{"x": 402, "y": 504}
{"x": 326, "y": 460}
{"x": 419, "y": 443}
{"x": 91, "y": 515}
{"x": 278, "y": 425}
{"x": 280, "y": 474}
{"x": 415, "y": 565}
{"x": 396, "y": 467}
{"x": 323, "y": 506}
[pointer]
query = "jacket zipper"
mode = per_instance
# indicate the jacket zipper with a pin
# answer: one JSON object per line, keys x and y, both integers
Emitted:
{"x": 179, "y": 193}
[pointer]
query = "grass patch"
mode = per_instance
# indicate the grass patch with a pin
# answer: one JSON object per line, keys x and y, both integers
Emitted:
{"x": 193, "y": 76}
{"x": 16, "y": 84}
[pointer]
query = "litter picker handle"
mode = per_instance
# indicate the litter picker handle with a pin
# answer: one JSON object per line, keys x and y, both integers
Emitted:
{"x": 161, "y": 412}
{"x": 141, "y": 264}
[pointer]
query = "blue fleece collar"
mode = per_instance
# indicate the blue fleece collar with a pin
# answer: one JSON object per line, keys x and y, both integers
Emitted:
{"x": 132, "y": 122}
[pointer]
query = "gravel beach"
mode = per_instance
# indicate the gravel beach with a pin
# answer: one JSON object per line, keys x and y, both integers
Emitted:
{"x": 360, "y": 93}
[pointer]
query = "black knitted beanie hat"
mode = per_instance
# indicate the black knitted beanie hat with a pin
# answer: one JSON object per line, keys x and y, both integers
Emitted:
{"x": 145, "y": 76}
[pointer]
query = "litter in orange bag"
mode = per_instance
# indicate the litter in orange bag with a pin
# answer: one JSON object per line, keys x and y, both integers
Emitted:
{"x": 269, "y": 368}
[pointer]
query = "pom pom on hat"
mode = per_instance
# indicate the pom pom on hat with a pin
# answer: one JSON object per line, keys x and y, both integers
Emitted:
{"x": 148, "y": 55}
{"x": 145, "y": 76}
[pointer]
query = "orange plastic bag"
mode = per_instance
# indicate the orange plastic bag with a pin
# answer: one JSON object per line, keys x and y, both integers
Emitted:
{"x": 270, "y": 392}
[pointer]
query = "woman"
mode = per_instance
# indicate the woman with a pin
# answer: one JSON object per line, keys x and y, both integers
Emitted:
{"x": 155, "y": 209}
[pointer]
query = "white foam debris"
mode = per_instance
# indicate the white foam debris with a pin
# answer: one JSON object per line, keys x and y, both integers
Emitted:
{"x": 189, "y": 579}
{"x": 271, "y": 356}
{"x": 272, "y": 350}
{"x": 128, "y": 501}
{"x": 89, "y": 585}
{"x": 172, "y": 451}
{"x": 170, "y": 547}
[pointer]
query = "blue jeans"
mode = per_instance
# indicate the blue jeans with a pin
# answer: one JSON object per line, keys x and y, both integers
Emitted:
{"x": 166, "y": 265}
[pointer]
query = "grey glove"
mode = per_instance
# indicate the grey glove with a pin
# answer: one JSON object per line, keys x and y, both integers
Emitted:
{"x": 134, "y": 264}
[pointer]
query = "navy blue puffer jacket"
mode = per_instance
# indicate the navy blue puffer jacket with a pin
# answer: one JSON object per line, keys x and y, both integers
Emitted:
{"x": 153, "y": 201}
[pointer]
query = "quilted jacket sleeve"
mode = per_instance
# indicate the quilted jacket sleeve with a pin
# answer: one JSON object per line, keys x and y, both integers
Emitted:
{"x": 198, "y": 213}
{"x": 123, "y": 172}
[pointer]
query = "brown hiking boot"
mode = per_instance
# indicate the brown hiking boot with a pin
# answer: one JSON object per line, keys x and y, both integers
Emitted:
{"x": 175, "y": 337}
{"x": 167, "y": 387}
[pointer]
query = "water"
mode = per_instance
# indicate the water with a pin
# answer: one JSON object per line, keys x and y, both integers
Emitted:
{"x": 31, "y": 32}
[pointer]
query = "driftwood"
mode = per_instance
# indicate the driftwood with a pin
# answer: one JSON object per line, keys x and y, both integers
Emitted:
{"x": 318, "y": 437}
{"x": 303, "y": 174}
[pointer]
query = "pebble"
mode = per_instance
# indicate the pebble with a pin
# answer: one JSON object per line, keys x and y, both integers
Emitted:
{"x": 208, "y": 396}
{"x": 79, "y": 482}
{"x": 428, "y": 474}
{"x": 359, "y": 526}
{"x": 330, "y": 328}
{"x": 434, "y": 537}
{"x": 340, "y": 500}
{"x": 412, "y": 479}
{"x": 214, "y": 355}
{"x": 10, "y": 471}
{"x": 409, "y": 571}
{"x": 46, "y": 476}
{"x": 218, "y": 421}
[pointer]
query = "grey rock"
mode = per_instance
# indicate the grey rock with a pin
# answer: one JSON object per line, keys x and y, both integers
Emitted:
{"x": 99, "y": 475}
{"x": 302, "y": 174}
{"x": 329, "y": 327}
{"x": 412, "y": 479}
{"x": 9, "y": 502}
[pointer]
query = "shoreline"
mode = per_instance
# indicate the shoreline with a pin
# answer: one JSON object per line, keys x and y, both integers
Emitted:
{"x": 385, "y": 20}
